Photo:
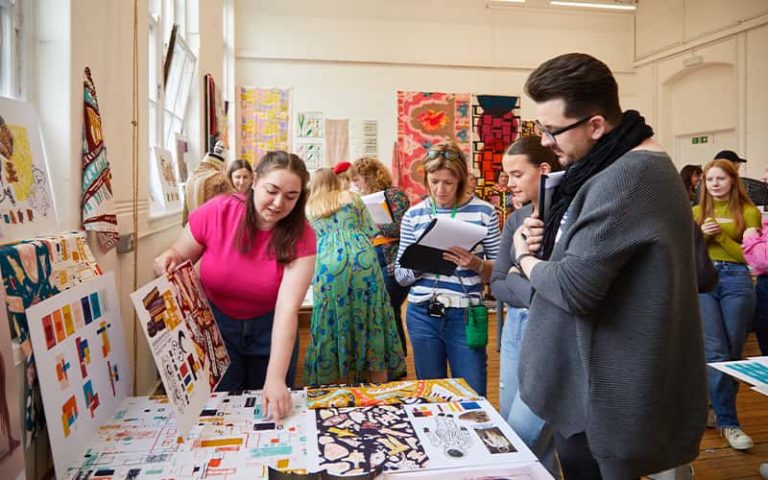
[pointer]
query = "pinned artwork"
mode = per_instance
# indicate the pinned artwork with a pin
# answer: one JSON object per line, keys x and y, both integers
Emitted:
{"x": 165, "y": 183}
{"x": 27, "y": 207}
{"x": 312, "y": 154}
{"x": 363, "y": 139}
{"x": 392, "y": 393}
{"x": 264, "y": 121}
{"x": 11, "y": 453}
{"x": 359, "y": 440}
{"x": 184, "y": 339}
{"x": 527, "y": 128}
{"x": 528, "y": 471}
{"x": 495, "y": 125}
{"x": 425, "y": 119}
{"x": 309, "y": 125}
{"x": 33, "y": 271}
{"x": 182, "y": 157}
{"x": 336, "y": 141}
{"x": 465, "y": 434}
{"x": 82, "y": 363}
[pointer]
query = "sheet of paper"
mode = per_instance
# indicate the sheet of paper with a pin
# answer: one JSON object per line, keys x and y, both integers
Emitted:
{"x": 377, "y": 206}
{"x": 761, "y": 389}
{"x": 450, "y": 232}
{"x": 82, "y": 363}
{"x": 753, "y": 371}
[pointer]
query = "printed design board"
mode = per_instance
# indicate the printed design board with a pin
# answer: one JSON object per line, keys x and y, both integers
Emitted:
{"x": 364, "y": 439}
{"x": 184, "y": 339}
{"x": 391, "y": 393}
{"x": 363, "y": 139}
{"x": 309, "y": 125}
{"x": 465, "y": 434}
{"x": 82, "y": 363}
{"x": 165, "y": 185}
{"x": 27, "y": 207}
{"x": 11, "y": 450}
{"x": 753, "y": 371}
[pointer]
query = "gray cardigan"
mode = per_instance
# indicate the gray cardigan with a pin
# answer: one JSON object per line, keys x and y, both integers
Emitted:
{"x": 614, "y": 342}
{"x": 514, "y": 290}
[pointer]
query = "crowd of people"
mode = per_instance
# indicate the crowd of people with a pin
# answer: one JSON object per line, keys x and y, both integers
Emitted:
{"x": 602, "y": 365}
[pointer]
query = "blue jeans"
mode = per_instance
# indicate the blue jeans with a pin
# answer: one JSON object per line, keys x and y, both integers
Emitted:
{"x": 249, "y": 343}
{"x": 761, "y": 313}
{"x": 726, "y": 313}
{"x": 531, "y": 429}
{"x": 397, "y": 295}
{"x": 436, "y": 341}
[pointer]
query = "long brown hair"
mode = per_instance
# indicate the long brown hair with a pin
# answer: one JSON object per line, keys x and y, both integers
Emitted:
{"x": 736, "y": 201}
{"x": 287, "y": 232}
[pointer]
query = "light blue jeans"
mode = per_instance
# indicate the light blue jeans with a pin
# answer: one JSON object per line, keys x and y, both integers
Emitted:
{"x": 531, "y": 429}
{"x": 436, "y": 342}
{"x": 726, "y": 314}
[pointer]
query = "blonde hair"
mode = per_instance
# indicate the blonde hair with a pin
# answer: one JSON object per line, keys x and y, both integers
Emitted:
{"x": 456, "y": 165}
{"x": 736, "y": 201}
{"x": 375, "y": 174}
{"x": 325, "y": 193}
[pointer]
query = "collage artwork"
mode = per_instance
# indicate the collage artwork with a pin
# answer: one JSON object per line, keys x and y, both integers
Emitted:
{"x": 79, "y": 334}
{"x": 184, "y": 339}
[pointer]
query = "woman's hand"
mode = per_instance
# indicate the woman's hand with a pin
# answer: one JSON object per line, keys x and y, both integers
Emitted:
{"x": 463, "y": 258}
{"x": 519, "y": 240}
{"x": 710, "y": 227}
{"x": 167, "y": 261}
{"x": 276, "y": 401}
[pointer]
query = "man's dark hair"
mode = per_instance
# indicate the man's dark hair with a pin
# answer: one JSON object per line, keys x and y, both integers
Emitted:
{"x": 585, "y": 84}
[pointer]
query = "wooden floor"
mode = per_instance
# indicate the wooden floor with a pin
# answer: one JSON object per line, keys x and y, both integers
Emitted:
{"x": 716, "y": 461}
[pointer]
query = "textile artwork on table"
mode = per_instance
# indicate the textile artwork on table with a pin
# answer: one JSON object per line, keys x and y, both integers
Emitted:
{"x": 495, "y": 125}
{"x": 527, "y": 128}
{"x": 33, "y": 271}
{"x": 359, "y": 440}
{"x": 425, "y": 119}
{"x": 264, "y": 121}
{"x": 97, "y": 202}
{"x": 391, "y": 393}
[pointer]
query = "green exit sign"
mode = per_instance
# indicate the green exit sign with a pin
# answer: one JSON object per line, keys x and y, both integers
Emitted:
{"x": 698, "y": 140}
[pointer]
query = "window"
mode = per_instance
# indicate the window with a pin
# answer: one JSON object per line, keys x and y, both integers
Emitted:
{"x": 13, "y": 40}
{"x": 169, "y": 55}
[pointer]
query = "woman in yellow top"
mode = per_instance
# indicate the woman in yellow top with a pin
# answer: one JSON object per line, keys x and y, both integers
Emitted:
{"x": 724, "y": 212}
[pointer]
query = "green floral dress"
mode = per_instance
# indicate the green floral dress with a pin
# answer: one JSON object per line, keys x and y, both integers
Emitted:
{"x": 353, "y": 325}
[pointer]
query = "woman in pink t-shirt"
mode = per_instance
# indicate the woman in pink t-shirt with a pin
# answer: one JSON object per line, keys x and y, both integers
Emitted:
{"x": 257, "y": 257}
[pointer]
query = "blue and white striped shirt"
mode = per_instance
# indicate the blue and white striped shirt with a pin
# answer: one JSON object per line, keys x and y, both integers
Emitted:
{"x": 416, "y": 220}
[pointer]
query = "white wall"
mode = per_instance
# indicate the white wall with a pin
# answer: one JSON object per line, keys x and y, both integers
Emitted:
{"x": 702, "y": 70}
{"x": 348, "y": 58}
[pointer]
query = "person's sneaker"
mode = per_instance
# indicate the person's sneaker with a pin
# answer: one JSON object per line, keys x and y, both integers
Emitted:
{"x": 737, "y": 439}
{"x": 764, "y": 471}
{"x": 711, "y": 419}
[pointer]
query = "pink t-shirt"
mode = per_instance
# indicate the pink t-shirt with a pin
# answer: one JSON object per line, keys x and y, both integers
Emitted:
{"x": 756, "y": 250}
{"x": 240, "y": 285}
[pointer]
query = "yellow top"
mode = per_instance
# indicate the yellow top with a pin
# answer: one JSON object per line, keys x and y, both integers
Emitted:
{"x": 726, "y": 245}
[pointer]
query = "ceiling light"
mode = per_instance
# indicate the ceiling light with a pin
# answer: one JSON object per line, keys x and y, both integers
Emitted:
{"x": 607, "y": 6}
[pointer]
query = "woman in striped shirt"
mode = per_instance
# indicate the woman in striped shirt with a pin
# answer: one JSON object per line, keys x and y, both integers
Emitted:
{"x": 438, "y": 334}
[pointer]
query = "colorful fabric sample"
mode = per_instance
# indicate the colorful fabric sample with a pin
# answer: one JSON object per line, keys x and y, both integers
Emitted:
{"x": 527, "y": 128}
{"x": 264, "y": 121}
{"x": 33, "y": 271}
{"x": 495, "y": 125}
{"x": 425, "y": 119}
{"x": 97, "y": 203}
{"x": 392, "y": 393}
{"x": 359, "y": 440}
{"x": 336, "y": 141}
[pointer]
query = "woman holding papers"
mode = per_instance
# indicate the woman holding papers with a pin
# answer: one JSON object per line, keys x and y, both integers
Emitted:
{"x": 524, "y": 162}
{"x": 370, "y": 176}
{"x": 725, "y": 213}
{"x": 438, "y": 304}
{"x": 256, "y": 252}
{"x": 354, "y": 336}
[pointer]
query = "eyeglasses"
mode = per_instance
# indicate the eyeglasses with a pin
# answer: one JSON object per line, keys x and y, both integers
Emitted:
{"x": 551, "y": 134}
{"x": 446, "y": 154}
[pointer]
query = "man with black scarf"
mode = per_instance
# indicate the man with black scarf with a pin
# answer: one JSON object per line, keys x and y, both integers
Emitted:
{"x": 613, "y": 355}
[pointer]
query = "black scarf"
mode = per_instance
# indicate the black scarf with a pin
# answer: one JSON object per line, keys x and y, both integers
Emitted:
{"x": 629, "y": 133}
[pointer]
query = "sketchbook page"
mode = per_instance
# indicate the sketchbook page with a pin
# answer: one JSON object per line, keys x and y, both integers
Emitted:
{"x": 449, "y": 232}
{"x": 377, "y": 207}
{"x": 754, "y": 372}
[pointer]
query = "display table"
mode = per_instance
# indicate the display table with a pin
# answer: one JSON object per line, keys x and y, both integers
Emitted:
{"x": 397, "y": 435}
